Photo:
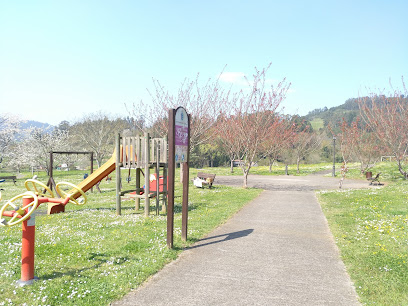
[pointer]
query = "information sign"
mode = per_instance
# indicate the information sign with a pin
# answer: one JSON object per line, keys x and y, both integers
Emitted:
{"x": 181, "y": 135}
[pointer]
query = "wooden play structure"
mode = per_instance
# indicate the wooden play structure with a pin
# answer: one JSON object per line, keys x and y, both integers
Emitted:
{"x": 148, "y": 156}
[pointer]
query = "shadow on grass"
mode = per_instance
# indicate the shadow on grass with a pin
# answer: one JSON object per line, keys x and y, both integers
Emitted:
{"x": 100, "y": 260}
{"x": 221, "y": 238}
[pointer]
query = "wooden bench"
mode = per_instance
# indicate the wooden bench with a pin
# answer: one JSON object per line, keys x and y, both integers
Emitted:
{"x": 203, "y": 179}
{"x": 371, "y": 179}
{"x": 12, "y": 177}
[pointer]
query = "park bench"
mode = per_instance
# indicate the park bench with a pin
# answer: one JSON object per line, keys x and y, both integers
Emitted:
{"x": 371, "y": 179}
{"x": 11, "y": 177}
{"x": 203, "y": 179}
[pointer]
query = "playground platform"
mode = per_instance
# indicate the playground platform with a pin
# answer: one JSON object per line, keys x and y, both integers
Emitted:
{"x": 278, "y": 250}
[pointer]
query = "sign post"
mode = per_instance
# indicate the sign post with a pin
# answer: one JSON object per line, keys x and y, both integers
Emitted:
{"x": 179, "y": 142}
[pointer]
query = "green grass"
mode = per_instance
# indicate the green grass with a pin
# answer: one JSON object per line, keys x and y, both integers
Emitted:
{"x": 389, "y": 172}
{"x": 317, "y": 124}
{"x": 90, "y": 256}
{"x": 371, "y": 230}
{"x": 279, "y": 169}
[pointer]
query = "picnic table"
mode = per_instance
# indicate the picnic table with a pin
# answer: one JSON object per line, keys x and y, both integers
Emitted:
{"x": 10, "y": 177}
{"x": 204, "y": 179}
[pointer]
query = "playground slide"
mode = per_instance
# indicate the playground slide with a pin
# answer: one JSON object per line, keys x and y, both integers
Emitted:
{"x": 104, "y": 170}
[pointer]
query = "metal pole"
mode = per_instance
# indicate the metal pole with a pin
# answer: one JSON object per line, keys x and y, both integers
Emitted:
{"x": 28, "y": 248}
{"x": 334, "y": 157}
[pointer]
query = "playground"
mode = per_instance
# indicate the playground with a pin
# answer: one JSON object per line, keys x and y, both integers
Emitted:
{"x": 89, "y": 252}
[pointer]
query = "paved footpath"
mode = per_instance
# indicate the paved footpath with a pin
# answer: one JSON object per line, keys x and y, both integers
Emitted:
{"x": 278, "y": 250}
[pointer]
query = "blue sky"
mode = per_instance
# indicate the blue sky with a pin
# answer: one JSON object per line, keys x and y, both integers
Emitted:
{"x": 62, "y": 59}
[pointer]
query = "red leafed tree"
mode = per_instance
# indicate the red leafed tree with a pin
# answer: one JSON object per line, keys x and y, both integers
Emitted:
{"x": 280, "y": 137}
{"x": 346, "y": 140}
{"x": 363, "y": 144}
{"x": 387, "y": 117}
{"x": 247, "y": 117}
{"x": 227, "y": 138}
{"x": 304, "y": 143}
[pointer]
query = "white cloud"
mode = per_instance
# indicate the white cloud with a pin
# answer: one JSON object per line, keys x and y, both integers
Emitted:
{"x": 237, "y": 78}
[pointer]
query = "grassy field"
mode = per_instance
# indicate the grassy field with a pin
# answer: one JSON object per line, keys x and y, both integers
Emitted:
{"x": 277, "y": 169}
{"x": 317, "y": 124}
{"x": 389, "y": 172}
{"x": 370, "y": 228}
{"x": 90, "y": 256}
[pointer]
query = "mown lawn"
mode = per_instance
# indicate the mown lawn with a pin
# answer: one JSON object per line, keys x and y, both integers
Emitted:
{"x": 277, "y": 169}
{"x": 371, "y": 230}
{"x": 90, "y": 256}
{"x": 389, "y": 172}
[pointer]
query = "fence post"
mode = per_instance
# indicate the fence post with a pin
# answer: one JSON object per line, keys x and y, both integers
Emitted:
{"x": 147, "y": 174}
{"x": 118, "y": 185}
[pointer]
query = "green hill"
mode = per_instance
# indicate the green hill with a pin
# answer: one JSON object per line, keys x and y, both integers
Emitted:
{"x": 319, "y": 118}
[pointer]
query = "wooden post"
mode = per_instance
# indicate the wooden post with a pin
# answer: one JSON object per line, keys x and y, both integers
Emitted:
{"x": 51, "y": 182}
{"x": 138, "y": 169}
{"x": 137, "y": 199}
{"x": 118, "y": 197}
{"x": 171, "y": 174}
{"x": 147, "y": 174}
{"x": 164, "y": 205}
{"x": 51, "y": 166}
{"x": 93, "y": 169}
{"x": 184, "y": 210}
{"x": 165, "y": 161}
{"x": 156, "y": 143}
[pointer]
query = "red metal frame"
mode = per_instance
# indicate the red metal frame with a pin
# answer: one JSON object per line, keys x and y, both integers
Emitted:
{"x": 28, "y": 239}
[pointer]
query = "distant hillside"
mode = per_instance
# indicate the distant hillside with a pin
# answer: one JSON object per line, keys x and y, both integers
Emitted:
{"x": 321, "y": 117}
{"x": 36, "y": 124}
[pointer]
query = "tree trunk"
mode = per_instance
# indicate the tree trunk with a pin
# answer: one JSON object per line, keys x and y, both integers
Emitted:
{"x": 232, "y": 166}
{"x": 401, "y": 170}
{"x": 271, "y": 160}
{"x": 297, "y": 165}
{"x": 245, "y": 185}
{"x": 246, "y": 172}
{"x": 99, "y": 161}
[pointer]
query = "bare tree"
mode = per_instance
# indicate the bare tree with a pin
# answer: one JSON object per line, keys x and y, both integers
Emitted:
{"x": 387, "y": 117}
{"x": 248, "y": 117}
{"x": 280, "y": 137}
{"x": 304, "y": 143}
{"x": 363, "y": 144}
{"x": 96, "y": 132}
{"x": 202, "y": 102}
